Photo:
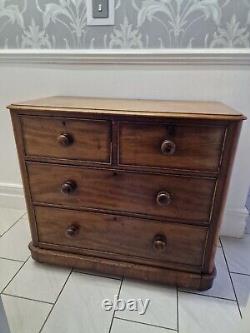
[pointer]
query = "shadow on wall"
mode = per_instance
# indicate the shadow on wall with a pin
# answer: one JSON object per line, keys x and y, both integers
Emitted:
{"x": 248, "y": 202}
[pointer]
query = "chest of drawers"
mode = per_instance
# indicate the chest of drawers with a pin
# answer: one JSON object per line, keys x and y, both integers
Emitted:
{"x": 127, "y": 187}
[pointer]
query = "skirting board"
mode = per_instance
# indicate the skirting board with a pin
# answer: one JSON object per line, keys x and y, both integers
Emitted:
{"x": 11, "y": 195}
{"x": 234, "y": 224}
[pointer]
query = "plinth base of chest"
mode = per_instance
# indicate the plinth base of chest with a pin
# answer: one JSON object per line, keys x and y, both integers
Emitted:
{"x": 117, "y": 268}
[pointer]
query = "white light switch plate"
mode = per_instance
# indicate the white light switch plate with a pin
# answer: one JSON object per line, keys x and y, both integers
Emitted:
{"x": 100, "y": 21}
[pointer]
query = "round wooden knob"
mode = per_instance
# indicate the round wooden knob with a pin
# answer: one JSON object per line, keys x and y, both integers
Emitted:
{"x": 69, "y": 186}
{"x": 65, "y": 139}
{"x": 168, "y": 147}
{"x": 72, "y": 230}
{"x": 160, "y": 243}
{"x": 163, "y": 198}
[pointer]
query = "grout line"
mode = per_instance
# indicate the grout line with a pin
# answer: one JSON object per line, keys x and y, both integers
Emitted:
{"x": 217, "y": 297}
{"x": 13, "y": 224}
{"x": 98, "y": 275}
{"x": 177, "y": 294}
{"x": 53, "y": 305}
{"x": 15, "y": 275}
{"x": 15, "y": 260}
{"x": 231, "y": 278}
{"x": 26, "y": 298}
{"x": 112, "y": 320}
{"x": 146, "y": 324}
{"x": 240, "y": 273}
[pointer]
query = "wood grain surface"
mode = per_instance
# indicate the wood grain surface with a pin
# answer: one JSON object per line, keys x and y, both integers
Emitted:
{"x": 196, "y": 147}
{"x": 90, "y": 139}
{"x": 133, "y": 188}
{"x": 191, "y": 198}
{"x": 185, "y": 109}
{"x": 119, "y": 234}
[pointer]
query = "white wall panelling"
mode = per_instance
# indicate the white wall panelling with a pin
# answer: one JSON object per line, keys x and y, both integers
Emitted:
{"x": 171, "y": 80}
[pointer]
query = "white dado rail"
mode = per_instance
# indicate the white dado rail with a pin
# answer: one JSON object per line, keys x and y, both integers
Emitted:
{"x": 128, "y": 57}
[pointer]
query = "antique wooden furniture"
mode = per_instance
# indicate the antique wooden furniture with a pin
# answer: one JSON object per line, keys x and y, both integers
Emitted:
{"x": 127, "y": 187}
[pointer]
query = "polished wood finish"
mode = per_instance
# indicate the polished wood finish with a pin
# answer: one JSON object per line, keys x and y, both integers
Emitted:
{"x": 168, "y": 147}
{"x": 119, "y": 234}
{"x": 190, "y": 199}
{"x": 69, "y": 187}
{"x": 171, "y": 146}
{"x": 67, "y": 138}
{"x": 127, "y": 187}
{"x": 131, "y": 270}
{"x": 131, "y": 107}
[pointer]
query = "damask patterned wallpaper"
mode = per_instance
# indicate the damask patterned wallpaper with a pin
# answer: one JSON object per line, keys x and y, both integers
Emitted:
{"x": 62, "y": 24}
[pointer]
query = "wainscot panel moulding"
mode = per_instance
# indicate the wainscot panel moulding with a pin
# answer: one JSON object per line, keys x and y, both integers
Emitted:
{"x": 133, "y": 188}
{"x": 195, "y": 57}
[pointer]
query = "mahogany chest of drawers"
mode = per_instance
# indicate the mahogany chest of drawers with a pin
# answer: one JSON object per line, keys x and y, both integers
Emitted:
{"x": 127, "y": 187}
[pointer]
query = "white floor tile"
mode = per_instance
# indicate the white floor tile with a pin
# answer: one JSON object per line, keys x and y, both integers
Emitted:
{"x": 24, "y": 316}
{"x": 242, "y": 289}
{"x": 222, "y": 286}
{"x": 237, "y": 254}
{"x": 8, "y": 217}
{"x": 162, "y": 309}
{"x": 8, "y": 269}
{"x": 79, "y": 307}
{"x": 122, "y": 326}
{"x": 38, "y": 281}
{"x": 14, "y": 244}
{"x": 208, "y": 315}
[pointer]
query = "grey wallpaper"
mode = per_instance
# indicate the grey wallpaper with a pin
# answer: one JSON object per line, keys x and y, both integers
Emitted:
{"x": 62, "y": 24}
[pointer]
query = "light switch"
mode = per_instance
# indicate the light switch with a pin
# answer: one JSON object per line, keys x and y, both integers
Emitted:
{"x": 100, "y": 8}
{"x": 100, "y": 12}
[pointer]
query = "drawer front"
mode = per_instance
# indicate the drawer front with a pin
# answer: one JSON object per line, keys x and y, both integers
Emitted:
{"x": 176, "y": 197}
{"x": 123, "y": 235}
{"x": 64, "y": 138}
{"x": 179, "y": 147}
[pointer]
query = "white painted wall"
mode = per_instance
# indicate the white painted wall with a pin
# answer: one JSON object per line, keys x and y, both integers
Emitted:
{"x": 227, "y": 84}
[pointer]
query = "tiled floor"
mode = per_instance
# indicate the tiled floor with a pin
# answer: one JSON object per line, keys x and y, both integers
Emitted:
{"x": 46, "y": 299}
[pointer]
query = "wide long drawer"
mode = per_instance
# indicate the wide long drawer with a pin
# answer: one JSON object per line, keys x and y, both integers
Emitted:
{"x": 161, "y": 242}
{"x": 190, "y": 147}
{"x": 176, "y": 197}
{"x": 64, "y": 138}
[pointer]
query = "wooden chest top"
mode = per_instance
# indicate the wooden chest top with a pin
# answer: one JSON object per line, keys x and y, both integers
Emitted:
{"x": 160, "y": 108}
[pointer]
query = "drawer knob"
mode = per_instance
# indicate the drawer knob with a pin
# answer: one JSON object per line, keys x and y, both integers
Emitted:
{"x": 163, "y": 198}
{"x": 160, "y": 243}
{"x": 72, "y": 230}
{"x": 69, "y": 187}
{"x": 168, "y": 147}
{"x": 65, "y": 139}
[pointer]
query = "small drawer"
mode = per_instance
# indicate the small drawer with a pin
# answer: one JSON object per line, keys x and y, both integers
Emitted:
{"x": 171, "y": 197}
{"x": 65, "y": 138}
{"x": 162, "y": 242}
{"x": 191, "y": 147}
